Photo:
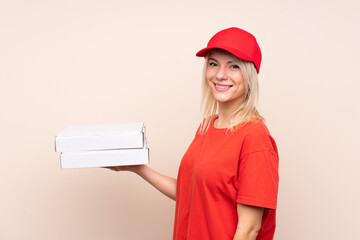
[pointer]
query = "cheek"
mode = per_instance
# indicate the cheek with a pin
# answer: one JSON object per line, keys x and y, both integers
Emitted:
{"x": 208, "y": 80}
{"x": 210, "y": 73}
{"x": 238, "y": 79}
{"x": 208, "y": 76}
{"x": 210, "y": 84}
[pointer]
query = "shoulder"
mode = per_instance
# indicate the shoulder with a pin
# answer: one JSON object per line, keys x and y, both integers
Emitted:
{"x": 254, "y": 128}
{"x": 256, "y": 137}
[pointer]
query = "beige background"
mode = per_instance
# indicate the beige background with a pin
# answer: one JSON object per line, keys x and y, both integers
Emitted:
{"x": 97, "y": 62}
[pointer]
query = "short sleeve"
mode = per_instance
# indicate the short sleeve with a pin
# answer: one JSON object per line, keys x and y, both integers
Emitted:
{"x": 258, "y": 176}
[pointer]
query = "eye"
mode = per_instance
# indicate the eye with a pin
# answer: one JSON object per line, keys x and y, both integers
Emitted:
{"x": 234, "y": 66}
{"x": 212, "y": 64}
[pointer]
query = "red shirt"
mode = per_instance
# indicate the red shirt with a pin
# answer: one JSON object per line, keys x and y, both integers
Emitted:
{"x": 222, "y": 169}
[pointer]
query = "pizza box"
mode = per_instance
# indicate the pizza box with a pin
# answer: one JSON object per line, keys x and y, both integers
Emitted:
{"x": 104, "y": 158}
{"x": 101, "y": 137}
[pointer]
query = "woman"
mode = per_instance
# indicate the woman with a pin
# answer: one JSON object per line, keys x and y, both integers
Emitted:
{"x": 228, "y": 178}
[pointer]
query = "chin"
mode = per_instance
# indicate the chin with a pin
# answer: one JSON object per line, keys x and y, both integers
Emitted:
{"x": 221, "y": 100}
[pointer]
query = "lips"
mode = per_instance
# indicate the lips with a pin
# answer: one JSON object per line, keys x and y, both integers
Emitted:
{"x": 222, "y": 87}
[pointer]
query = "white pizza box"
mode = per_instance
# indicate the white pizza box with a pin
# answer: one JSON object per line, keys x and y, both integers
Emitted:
{"x": 105, "y": 158}
{"x": 100, "y": 137}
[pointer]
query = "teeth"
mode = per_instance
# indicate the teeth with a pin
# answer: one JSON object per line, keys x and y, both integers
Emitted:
{"x": 218, "y": 86}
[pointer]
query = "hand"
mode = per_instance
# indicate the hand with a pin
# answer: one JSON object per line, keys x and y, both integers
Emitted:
{"x": 131, "y": 168}
{"x": 165, "y": 184}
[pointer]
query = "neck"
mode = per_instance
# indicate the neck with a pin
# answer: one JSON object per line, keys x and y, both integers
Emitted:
{"x": 225, "y": 111}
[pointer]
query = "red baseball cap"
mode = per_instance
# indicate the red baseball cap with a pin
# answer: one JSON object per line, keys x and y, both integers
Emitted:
{"x": 238, "y": 42}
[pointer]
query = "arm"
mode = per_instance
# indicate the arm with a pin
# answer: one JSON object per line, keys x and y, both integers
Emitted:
{"x": 164, "y": 184}
{"x": 249, "y": 222}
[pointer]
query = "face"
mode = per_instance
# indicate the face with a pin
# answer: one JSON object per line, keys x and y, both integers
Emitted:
{"x": 224, "y": 77}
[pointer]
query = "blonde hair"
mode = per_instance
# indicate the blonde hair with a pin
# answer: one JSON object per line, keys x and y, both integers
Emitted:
{"x": 246, "y": 111}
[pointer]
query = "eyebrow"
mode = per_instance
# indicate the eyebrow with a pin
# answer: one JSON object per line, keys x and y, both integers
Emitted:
{"x": 226, "y": 63}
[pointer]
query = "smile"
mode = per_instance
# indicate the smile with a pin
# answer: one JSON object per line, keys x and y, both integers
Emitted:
{"x": 222, "y": 88}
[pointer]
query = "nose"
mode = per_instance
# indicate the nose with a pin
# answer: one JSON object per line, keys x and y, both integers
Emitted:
{"x": 221, "y": 74}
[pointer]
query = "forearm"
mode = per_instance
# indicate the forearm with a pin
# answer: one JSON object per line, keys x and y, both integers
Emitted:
{"x": 245, "y": 235}
{"x": 164, "y": 184}
{"x": 249, "y": 222}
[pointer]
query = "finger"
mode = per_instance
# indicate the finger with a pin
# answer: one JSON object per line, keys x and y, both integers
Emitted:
{"x": 111, "y": 168}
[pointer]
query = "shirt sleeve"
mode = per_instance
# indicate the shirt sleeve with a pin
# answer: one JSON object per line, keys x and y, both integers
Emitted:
{"x": 258, "y": 171}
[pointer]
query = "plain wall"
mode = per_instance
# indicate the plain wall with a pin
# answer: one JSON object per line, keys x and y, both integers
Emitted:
{"x": 99, "y": 62}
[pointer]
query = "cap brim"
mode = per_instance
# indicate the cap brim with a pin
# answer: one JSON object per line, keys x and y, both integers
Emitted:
{"x": 203, "y": 52}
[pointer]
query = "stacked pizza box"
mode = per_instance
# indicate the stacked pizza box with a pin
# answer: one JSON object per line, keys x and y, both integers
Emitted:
{"x": 102, "y": 145}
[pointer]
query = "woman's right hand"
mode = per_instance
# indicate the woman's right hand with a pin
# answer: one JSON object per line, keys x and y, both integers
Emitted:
{"x": 165, "y": 184}
{"x": 131, "y": 168}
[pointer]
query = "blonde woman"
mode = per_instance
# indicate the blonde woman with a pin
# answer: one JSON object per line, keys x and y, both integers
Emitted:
{"x": 227, "y": 182}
